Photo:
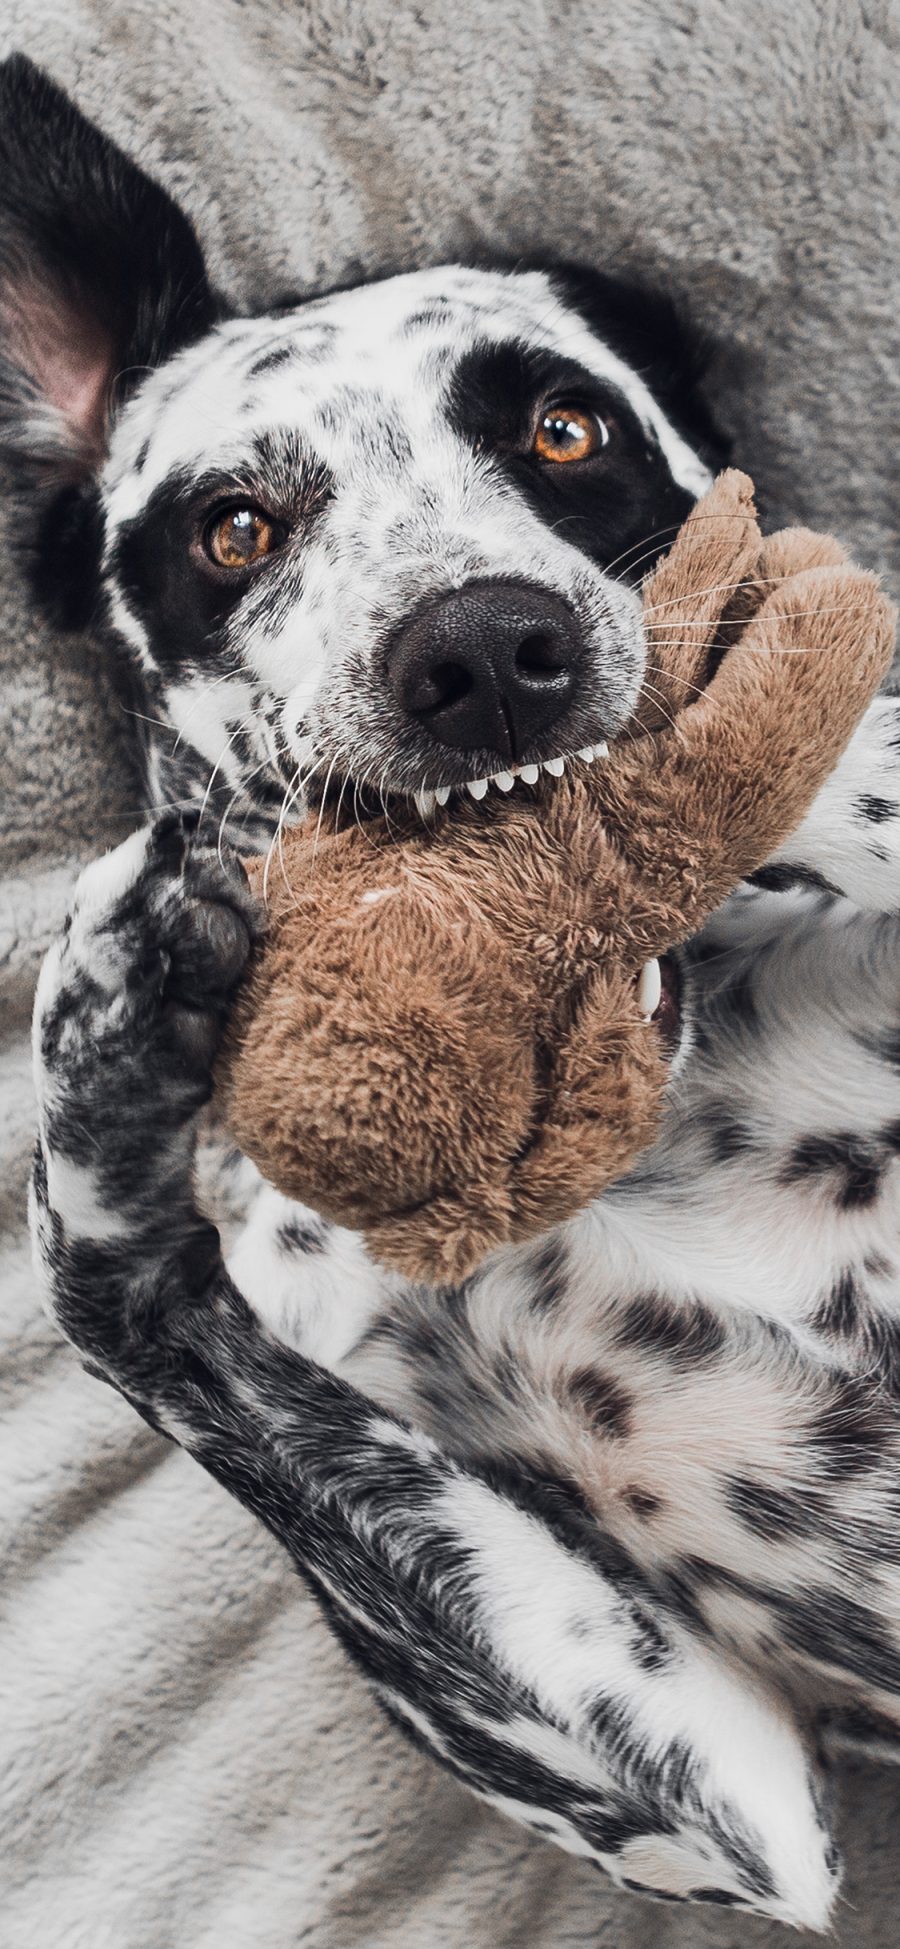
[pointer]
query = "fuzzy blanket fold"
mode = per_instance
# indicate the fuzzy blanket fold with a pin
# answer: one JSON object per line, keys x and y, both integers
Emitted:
{"x": 185, "y": 1756}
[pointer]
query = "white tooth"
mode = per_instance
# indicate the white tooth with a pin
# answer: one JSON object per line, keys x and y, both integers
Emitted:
{"x": 649, "y": 990}
{"x": 442, "y": 793}
{"x": 587, "y": 753}
{"x": 477, "y": 787}
{"x": 425, "y": 803}
{"x": 555, "y": 766}
{"x": 529, "y": 774}
{"x": 601, "y": 750}
{"x": 503, "y": 780}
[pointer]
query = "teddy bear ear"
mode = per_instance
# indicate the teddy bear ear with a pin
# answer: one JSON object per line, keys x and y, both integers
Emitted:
{"x": 714, "y": 556}
{"x": 101, "y": 276}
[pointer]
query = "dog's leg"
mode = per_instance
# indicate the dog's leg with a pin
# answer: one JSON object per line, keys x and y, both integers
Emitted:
{"x": 849, "y": 841}
{"x": 543, "y": 1677}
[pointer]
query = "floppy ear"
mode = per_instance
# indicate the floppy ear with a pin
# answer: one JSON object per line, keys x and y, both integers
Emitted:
{"x": 101, "y": 276}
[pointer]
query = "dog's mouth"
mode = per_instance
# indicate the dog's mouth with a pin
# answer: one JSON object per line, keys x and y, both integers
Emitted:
{"x": 427, "y": 799}
{"x": 354, "y": 800}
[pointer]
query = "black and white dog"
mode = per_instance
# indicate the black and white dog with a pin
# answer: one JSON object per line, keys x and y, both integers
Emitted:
{"x": 614, "y": 1528}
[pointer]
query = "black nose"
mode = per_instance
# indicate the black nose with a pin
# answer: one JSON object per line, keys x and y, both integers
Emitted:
{"x": 491, "y": 666}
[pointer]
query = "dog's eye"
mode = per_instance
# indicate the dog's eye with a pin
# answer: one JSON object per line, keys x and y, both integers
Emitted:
{"x": 240, "y": 536}
{"x": 566, "y": 431}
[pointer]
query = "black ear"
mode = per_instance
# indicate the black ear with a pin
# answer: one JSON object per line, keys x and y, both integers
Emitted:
{"x": 101, "y": 276}
{"x": 647, "y": 330}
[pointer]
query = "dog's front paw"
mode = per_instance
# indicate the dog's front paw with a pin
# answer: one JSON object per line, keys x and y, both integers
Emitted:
{"x": 130, "y": 1010}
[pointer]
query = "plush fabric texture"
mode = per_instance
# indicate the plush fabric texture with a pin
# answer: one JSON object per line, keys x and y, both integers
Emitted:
{"x": 187, "y": 1757}
{"x": 441, "y": 1042}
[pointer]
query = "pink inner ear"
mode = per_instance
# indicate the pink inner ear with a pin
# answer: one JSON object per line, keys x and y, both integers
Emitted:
{"x": 70, "y": 357}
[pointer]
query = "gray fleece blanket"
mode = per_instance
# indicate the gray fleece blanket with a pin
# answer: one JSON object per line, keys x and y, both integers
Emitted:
{"x": 185, "y": 1756}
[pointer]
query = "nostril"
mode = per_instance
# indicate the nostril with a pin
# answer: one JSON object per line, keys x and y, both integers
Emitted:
{"x": 487, "y": 667}
{"x": 540, "y": 653}
{"x": 442, "y": 685}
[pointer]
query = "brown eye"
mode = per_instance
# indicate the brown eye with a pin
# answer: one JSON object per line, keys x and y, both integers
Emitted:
{"x": 569, "y": 433}
{"x": 240, "y": 537}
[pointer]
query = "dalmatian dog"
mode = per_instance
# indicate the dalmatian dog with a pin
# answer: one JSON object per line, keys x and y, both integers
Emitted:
{"x": 613, "y": 1528}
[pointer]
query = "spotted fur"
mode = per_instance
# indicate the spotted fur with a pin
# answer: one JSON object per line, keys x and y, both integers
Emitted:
{"x": 611, "y": 1528}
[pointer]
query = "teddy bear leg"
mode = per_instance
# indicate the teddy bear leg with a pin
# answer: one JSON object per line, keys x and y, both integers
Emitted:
{"x": 602, "y": 1107}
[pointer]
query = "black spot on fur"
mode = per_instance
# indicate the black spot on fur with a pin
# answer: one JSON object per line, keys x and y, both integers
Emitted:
{"x": 426, "y": 316}
{"x": 650, "y": 1647}
{"x": 852, "y": 1161}
{"x": 775, "y": 1514}
{"x": 297, "y": 1235}
{"x": 547, "y": 1277}
{"x": 862, "y": 1727}
{"x": 603, "y": 1400}
{"x": 839, "y": 1312}
{"x": 679, "y": 1586}
{"x": 851, "y": 1433}
{"x": 421, "y": 1341}
{"x": 699, "y": 1573}
{"x": 687, "y": 1335}
{"x": 57, "y": 1017}
{"x": 291, "y": 480}
{"x": 583, "y": 1629}
{"x": 878, "y": 810}
{"x": 842, "y": 1633}
{"x": 494, "y": 389}
{"x": 270, "y": 361}
{"x": 883, "y": 1338}
{"x": 642, "y": 1502}
{"x": 726, "y": 1136}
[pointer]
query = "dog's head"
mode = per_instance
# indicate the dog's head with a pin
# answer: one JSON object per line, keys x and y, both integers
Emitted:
{"x": 388, "y": 538}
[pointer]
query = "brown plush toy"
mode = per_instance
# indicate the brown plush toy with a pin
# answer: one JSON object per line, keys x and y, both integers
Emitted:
{"x": 445, "y": 1041}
